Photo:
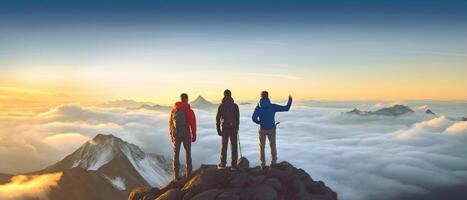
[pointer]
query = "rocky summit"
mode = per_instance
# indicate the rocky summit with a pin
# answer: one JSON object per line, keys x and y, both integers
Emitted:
{"x": 281, "y": 182}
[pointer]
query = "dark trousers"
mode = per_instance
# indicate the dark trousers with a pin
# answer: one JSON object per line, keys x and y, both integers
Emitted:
{"x": 232, "y": 135}
{"x": 177, "y": 142}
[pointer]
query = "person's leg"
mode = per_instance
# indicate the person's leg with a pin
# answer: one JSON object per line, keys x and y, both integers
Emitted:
{"x": 176, "y": 163}
{"x": 262, "y": 140}
{"x": 272, "y": 144}
{"x": 233, "y": 147}
{"x": 187, "y": 147}
{"x": 224, "y": 144}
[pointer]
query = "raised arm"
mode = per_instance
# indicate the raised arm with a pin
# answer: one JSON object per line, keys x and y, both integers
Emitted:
{"x": 284, "y": 108}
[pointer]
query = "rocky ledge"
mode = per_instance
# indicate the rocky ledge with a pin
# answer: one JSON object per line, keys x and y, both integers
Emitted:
{"x": 281, "y": 182}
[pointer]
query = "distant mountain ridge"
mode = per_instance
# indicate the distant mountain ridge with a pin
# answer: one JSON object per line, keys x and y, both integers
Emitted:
{"x": 126, "y": 103}
{"x": 155, "y": 107}
{"x": 394, "y": 111}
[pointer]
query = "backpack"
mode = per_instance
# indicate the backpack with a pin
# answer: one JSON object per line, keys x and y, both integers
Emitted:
{"x": 180, "y": 123}
{"x": 229, "y": 116}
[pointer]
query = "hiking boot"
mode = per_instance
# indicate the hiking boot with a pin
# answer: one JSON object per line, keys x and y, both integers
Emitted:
{"x": 221, "y": 166}
{"x": 273, "y": 165}
{"x": 263, "y": 167}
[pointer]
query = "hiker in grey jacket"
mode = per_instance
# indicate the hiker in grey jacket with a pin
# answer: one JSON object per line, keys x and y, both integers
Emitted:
{"x": 264, "y": 115}
{"x": 227, "y": 123}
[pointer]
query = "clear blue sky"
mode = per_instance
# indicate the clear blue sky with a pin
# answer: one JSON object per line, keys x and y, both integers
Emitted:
{"x": 318, "y": 49}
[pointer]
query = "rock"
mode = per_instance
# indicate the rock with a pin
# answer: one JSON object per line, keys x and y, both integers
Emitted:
{"x": 172, "y": 194}
{"x": 274, "y": 183}
{"x": 258, "y": 179}
{"x": 228, "y": 196}
{"x": 240, "y": 180}
{"x": 264, "y": 192}
{"x": 207, "y": 178}
{"x": 144, "y": 193}
{"x": 281, "y": 182}
{"x": 207, "y": 195}
{"x": 428, "y": 111}
{"x": 243, "y": 164}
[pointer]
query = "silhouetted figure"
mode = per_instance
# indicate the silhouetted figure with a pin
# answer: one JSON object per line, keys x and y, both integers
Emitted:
{"x": 264, "y": 115}
{"x": 227, "y": 123}
{"x": 182, "y": 131}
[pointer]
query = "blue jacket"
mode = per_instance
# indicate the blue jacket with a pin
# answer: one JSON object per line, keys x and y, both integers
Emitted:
{"x": 265, "y": 112}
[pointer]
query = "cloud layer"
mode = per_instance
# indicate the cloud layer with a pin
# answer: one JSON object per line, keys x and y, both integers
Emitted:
{"x": 361, "y": 157}
{"x": 36, "y": 187}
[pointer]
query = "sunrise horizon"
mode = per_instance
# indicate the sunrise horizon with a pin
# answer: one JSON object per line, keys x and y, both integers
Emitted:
{"x": 301, "y": 99}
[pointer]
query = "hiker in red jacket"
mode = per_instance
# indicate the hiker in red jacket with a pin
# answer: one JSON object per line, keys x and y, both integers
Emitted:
{"x": 182, "y": 125}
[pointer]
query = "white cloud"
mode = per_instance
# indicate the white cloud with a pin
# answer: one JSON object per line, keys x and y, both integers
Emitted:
{"x": 457, "y": 128}
{"x": 25, "y": 187}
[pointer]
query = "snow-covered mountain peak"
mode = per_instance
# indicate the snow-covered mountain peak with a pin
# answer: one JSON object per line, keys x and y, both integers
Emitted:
{"x": 107, "y": 152}
{"x": 102, "y": 149}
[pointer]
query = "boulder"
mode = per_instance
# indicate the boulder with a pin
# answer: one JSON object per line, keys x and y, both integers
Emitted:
{"x": 172, "y": 194}
{"x": 243, "y": 164}
{"x": 240, "y": 180}
{"x": 228, "y": 196}
{"x": 274, "y": 183}
{"x": 264, "y": 192}
{"x": 207, "y": 178}
{"x": 144, "y": 193}
{"x": 206, "y": 195}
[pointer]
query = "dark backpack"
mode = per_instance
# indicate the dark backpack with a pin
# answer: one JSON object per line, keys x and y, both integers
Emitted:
{"x": 180, "y": 123}
{"x": 229, "y": 118}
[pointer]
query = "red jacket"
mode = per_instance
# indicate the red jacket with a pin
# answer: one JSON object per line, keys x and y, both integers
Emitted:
{"x": 191, "y": 119}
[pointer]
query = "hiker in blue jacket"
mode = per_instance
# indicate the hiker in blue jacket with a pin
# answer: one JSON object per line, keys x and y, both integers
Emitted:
{"x": 264, "y": 115}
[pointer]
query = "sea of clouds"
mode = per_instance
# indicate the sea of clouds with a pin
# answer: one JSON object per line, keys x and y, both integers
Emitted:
{"x": 360, "y": 157}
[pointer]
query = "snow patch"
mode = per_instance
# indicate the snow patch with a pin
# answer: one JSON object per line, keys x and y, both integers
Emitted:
{"x": 117, "y": 182}
{"x": 149, "y": 168}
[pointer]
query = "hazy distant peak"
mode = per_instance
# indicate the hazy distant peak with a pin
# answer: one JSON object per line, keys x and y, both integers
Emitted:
{"x": 201, "y": 103}
{"x": 428, "y": 111}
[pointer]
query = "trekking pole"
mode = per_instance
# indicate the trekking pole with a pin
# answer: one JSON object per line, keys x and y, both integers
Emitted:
{"x": 239, "y": 145}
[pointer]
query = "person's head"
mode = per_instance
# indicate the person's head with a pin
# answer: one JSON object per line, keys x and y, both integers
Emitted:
{"x": 184, "y": 97}
{"x": 227, "y": 93}
{"x": 264, "y": 94}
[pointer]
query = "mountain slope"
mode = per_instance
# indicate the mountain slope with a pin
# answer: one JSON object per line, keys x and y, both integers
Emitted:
{"x": 107, "y": 153}
{"x": 5, "y": 178}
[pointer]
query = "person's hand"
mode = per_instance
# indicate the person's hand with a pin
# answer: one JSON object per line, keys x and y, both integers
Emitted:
{"x": 290, "y": 97}
{"x": 193, "y": 139}
{"x": 219, "y": 132}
